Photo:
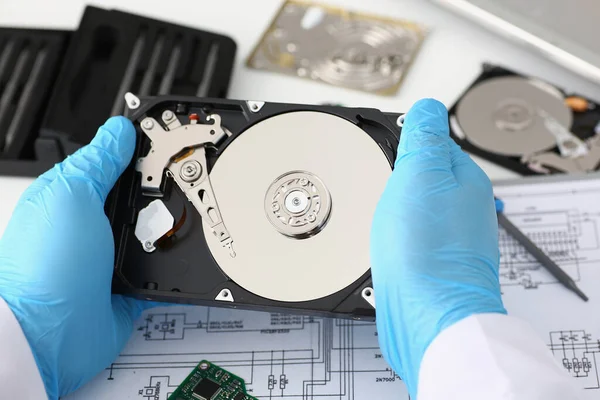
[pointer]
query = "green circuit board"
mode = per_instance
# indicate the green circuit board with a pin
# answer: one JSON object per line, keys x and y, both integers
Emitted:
{"x": 210, "y": 382}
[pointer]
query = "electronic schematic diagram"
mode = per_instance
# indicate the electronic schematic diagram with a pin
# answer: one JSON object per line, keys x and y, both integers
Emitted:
{"x": 279, "y": 356}
{"x": 579, "y": 353}
{"x": 570, "y": 237}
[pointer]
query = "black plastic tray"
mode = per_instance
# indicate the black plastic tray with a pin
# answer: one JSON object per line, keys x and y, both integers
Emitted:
{"x": 29, "y": 63}
{"x": 80, "y": 95}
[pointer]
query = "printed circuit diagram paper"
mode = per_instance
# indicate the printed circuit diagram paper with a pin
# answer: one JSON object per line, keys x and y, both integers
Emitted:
{"x": 308, "y": 358}
{"x": 563, "y": 218}
{"x": 279, "y": 356}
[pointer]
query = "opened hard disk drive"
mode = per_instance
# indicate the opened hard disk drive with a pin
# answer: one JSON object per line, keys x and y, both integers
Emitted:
{"x": 250, "y": 204}
{"x": 527, "y": 125}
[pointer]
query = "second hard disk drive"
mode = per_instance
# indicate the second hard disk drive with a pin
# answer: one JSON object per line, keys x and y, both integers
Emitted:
{"x": 527, "y": 125}
{"x": 253, "y": 205}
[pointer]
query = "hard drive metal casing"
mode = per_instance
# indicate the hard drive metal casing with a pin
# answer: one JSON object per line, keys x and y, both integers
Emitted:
{"x": 187, "y": 272}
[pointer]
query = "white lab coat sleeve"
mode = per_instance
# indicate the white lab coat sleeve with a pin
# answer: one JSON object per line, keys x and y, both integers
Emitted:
{"x": 492, "y": 357}
{"x": 19, "y": 375}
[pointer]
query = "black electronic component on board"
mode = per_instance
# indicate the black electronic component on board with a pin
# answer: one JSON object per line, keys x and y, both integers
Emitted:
{"x": 209, "y": 382}
{"x": 206, "y": 389}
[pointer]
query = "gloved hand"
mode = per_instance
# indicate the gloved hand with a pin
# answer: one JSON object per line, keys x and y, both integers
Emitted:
{"x": 56, "y": 263}
{"x": 434, "y": 242}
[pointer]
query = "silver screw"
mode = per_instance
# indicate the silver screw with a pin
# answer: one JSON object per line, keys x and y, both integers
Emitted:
{"x": 275, "y": 207}
{"x": 400, "y": 121}
{"x": 190, "y": 171}
{"x": 148, "y": 245}
{"x": 168, "y": 115}
{"x": 304, "y": 181}
{"x": 203, "y": 366}
{"x": 148, "y": 124}
{"x": 255, "y": 106}
{"x": 311, "y": 217}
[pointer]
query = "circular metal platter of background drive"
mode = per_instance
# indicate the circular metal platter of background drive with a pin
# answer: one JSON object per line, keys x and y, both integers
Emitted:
{"x": 502, "y": 115}
{"x": 297, "y": 193}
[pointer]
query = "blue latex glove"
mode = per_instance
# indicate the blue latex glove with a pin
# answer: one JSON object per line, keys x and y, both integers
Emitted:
{"x": 434, "y": 242}
{"x": 56, "y": 264}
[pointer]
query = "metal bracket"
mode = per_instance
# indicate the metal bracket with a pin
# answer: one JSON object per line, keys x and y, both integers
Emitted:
{"x": 225, "y": 295}
{"x": 166, "y": 145}
{"x": 180, "y": 150}
{"x": 369, "y": 295}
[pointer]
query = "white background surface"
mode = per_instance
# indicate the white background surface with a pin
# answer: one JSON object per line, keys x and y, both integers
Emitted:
{"x": 450, "y": 58}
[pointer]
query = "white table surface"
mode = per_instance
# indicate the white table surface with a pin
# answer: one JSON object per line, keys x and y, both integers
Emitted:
{"x": 448, "y": 62}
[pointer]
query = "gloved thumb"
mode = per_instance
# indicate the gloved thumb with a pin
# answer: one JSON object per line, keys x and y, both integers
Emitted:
{"x": 103, "y": 160}
{"x": 426, "y": 131}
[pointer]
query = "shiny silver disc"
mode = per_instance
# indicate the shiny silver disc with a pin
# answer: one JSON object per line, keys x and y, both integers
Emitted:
{"x": 298, "y": 204}
{"x": 273, "y": 265}
{"x": 502, "y": 115}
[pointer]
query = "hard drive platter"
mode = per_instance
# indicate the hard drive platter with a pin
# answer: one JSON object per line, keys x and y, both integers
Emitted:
{"x": 502, "y": 115}
{"x": 253, "y": 205}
